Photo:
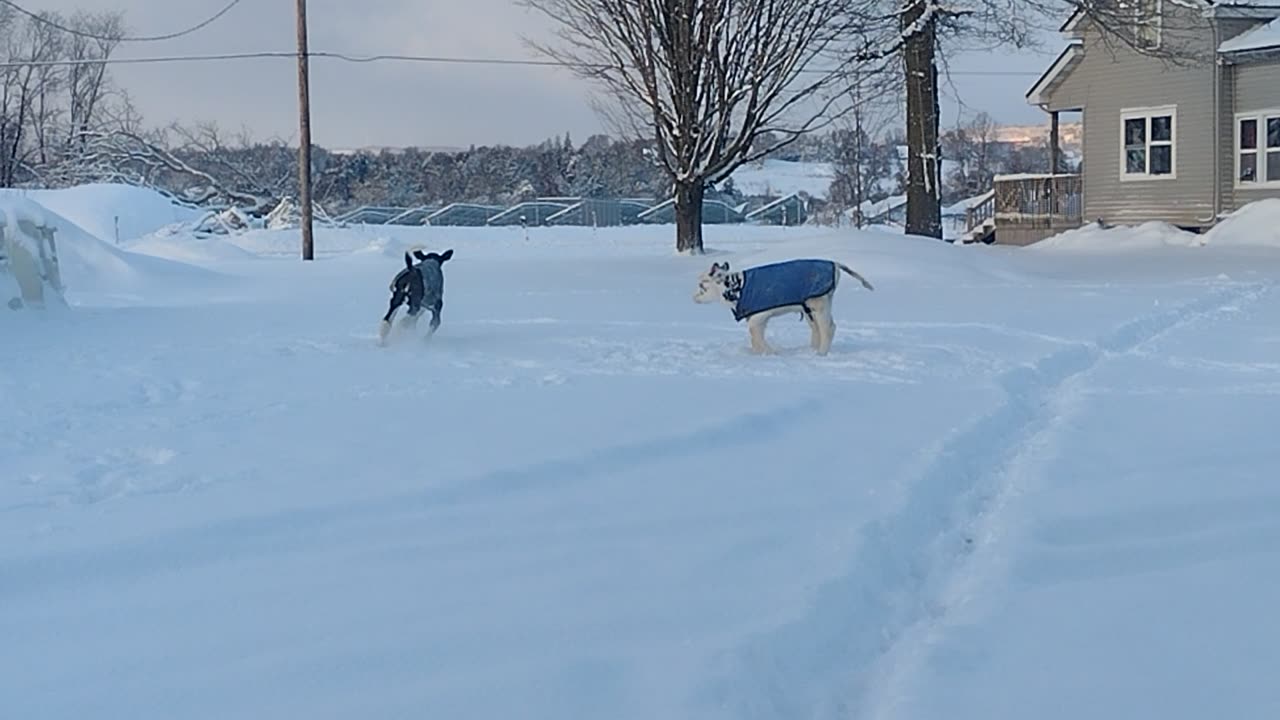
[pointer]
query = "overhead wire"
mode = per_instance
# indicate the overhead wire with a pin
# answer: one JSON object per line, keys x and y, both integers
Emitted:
{"x": 108, "y": 38}
{"x": 346, "y": 57}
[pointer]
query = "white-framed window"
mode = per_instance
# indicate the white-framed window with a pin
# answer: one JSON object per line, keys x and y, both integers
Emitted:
{"x": 1258, "y": 149}
{"x": 1147, "y": 140}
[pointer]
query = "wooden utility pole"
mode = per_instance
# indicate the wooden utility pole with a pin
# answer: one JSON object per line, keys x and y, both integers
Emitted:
{"x": 304, "y": 135}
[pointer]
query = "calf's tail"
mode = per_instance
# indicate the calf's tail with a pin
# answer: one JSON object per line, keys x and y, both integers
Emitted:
{"x": 855, "y": 275}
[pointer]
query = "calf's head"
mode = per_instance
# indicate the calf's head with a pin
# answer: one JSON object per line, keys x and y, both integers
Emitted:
{"x": 712, "y": 284}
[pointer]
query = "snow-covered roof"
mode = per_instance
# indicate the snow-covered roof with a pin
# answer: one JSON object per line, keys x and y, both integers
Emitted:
{"x": 961, "y": 207}
{"x": 1014, "y": 177}
{"x": 871, "y": 210}
{"x": 1242, "y": 8}
{"x": 1212, "y": 8}
{"x": 1259, "y": 38}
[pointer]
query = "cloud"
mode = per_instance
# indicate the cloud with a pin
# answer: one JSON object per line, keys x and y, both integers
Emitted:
{"x": 394, "y": 103}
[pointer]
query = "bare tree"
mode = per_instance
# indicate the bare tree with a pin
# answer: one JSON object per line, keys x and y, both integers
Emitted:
{"x": 46, "y": 111}
{"x": 29, "y": 40}
{"x": 1170, "y": 30}
{"x": 145, "y": 159}
{"x": 87, "y": 79}
{"x": 53, "y": 86}
{"x": 972, "y": 149}
{"x": 706, "y": 79}
{"x": 859, "y": 162}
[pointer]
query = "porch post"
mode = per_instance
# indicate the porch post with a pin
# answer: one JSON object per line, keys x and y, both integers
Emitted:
{"x": 1054, "y": 165}
{"x": 1054, "y": 152}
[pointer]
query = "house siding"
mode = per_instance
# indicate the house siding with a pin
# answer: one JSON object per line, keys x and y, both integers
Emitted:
{"x": 1119, "y": 80}
{"x": 1226, "y": 140}
{"x": 1111, "y": 79}
{"x": 1255, "y": 87}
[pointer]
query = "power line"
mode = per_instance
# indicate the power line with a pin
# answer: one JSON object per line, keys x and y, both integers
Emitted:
{"x": 107, "y": 38}
{"x": 147, "y": 60}
{"x": 429, "y": 59}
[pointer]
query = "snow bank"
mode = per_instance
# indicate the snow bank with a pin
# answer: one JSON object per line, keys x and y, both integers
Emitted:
{"x": 1146, "y": 236}
{"x": 90, "y": 266}
{"x": 1255, "y": 225}
{"x": 95, "y": 207}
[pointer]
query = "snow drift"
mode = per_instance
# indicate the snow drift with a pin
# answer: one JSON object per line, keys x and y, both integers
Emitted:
{"x": 188, "y": 249}
{"x": 92, "y": 267}
{"x": 1254, "y": 225}
{"x": 1123, "y": 238}
{"x": 95, "y": 207}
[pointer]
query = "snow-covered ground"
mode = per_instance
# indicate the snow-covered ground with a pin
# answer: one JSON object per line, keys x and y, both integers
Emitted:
{"x": 777, "y": 178}
{"x": 1026, "y": 483}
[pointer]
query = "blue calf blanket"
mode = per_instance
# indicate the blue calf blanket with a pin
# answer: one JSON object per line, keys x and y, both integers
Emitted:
{"x": 785, "y": 283}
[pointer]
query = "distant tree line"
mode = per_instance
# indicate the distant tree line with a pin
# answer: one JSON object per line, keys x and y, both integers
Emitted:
{"x": 207, "y": 167}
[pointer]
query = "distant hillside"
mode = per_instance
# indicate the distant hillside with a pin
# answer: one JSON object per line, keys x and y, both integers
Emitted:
{"x": 1070, "y": 134}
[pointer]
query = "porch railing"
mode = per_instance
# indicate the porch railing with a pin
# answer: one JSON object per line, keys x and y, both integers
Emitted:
{"x": 981, "y": 211}
{"x": 1048, "y": 201}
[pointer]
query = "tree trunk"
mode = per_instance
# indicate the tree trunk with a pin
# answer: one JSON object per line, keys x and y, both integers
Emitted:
{"x": 689, "y": 217}
{"x": 858, "y": 195}
{"x": 924, "y": 204}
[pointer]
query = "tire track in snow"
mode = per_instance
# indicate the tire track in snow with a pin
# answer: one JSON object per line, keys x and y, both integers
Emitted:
{"x": 826, "y": 663}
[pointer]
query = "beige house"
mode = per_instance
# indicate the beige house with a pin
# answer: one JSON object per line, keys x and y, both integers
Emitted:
{"x": 1182, "y": 141}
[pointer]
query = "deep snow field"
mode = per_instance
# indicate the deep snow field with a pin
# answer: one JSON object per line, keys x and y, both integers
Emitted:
{"x": 1026, "y": 483}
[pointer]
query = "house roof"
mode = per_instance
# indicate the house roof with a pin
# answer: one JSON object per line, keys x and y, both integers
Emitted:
{"x": 1259, "y": 38}
{"x": 879, "y": 208}
{"x": 462, "y": 214}
{"x": 789, "y": 207}
{"x": 960, "y": 208}
{"x": 1070, "y": 23}
{"x": 1227, "y": 8}
{"x": 1070, "y": 57}
{"x": 540, "y": 210}
{"x": 1262, "y": 9}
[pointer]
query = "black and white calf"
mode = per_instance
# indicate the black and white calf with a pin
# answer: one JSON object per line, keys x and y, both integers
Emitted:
{"x": 761, "y": 293}
{"x": 420, "y": 286}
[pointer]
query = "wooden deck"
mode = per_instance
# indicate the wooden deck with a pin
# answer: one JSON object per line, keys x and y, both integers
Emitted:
{"x": 1023, "y": 209}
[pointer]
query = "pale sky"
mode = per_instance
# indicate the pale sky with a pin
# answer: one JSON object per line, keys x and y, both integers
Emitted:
{"x": 396, "y": 104}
